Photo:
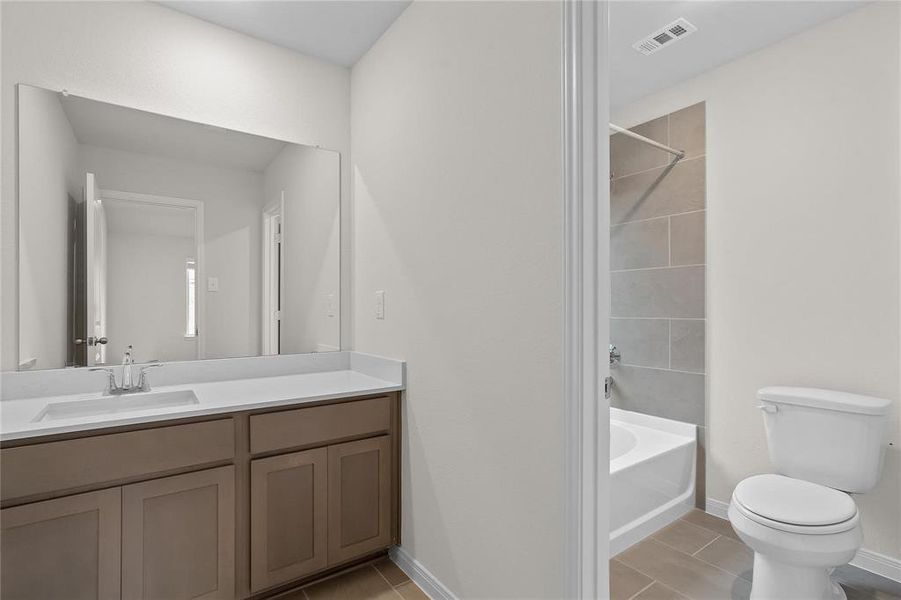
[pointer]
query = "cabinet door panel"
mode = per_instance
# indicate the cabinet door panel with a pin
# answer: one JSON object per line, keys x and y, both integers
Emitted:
{"x": 63, "y": 548}
{"x": 288, "y": 521}
{"x": 179, "y": 536}
{"x": 359, "y": 498}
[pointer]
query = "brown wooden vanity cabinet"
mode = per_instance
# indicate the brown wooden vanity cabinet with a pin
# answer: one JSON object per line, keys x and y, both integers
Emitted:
{"x": 359, "y": 508}
{"x": 178, "y": 536}
{"x": 230, "y": 506}
{"x": 288, "y": 517}
{"x": 63, "y": 548}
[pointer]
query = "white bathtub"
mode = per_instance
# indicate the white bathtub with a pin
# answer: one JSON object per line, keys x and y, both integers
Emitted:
{"x": 652, "y": 475}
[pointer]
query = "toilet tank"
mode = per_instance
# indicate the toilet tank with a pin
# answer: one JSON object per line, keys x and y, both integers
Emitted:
{"x": 832, "y": 438}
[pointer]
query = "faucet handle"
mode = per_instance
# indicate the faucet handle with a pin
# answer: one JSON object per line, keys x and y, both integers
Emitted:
{"x": 143, "y": 378}
{"x": 111, "y": 385}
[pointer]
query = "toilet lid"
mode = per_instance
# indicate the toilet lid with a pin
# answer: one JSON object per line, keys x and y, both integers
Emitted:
{"x": 794, "y": 501}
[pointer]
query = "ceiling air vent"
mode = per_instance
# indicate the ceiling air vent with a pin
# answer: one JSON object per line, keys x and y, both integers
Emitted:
{"x": 665, "y": 36}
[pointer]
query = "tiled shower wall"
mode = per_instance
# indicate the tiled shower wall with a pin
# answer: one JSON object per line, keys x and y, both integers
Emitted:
{"x": 657, "y": 263}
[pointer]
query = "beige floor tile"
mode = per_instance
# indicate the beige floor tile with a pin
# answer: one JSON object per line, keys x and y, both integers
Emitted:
{"x": 686, "y": 537}
{"x": 362, "y": 584}
{"x": 625, "y": 581}
{"x": 292, "y": 595}
{"x": 391, "y": 572}
{"x": 410, "y": 591}
{"x": 684, "y": 573}
{"x": 658, "y": 591}
{"x": 729, "y": 555}
{"x": 708, "y": 521}
{"x": 854, "y": 593}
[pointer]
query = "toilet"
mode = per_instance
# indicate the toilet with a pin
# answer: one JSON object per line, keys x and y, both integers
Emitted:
{"x": 801, "y": 521}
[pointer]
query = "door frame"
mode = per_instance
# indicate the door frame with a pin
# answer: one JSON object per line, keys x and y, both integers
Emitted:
{"x": 272, "y": 289}
{"x": 586, "y": 298}
{"x": 199, "y": 261}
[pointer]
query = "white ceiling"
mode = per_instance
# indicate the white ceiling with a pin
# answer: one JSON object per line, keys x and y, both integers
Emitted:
{"x": 338, "y": 31}
{"x": 121, "y": 128}
{"x": 726, "y": 31}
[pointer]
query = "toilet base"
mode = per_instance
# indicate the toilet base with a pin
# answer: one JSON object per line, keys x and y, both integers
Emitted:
{"x": 774, "y": 580}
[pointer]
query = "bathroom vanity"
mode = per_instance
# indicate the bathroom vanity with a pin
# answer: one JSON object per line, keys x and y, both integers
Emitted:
{"x": 263, "y": 483}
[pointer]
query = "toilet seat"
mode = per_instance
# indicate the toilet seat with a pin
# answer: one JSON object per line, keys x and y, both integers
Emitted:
{"x": 795, "y": 506}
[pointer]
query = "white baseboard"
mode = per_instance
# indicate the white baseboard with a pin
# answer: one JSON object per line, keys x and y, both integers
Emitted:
{"x": 717, "y": 508}
{"x": 421, "y": 576}
{"x": 886, "y": 566}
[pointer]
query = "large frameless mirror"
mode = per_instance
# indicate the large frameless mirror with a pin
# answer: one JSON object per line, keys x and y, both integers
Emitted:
{"x": 179, "y": 240}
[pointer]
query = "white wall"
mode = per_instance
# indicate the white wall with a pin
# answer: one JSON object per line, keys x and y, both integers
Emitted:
{"x": 146, "y": 296}
{"x": 309, "y": 178}
{"x": 459, "y": 217}
{"x": 49, "y": 176}
{"x": 803, "y": 227}
{"x": 149, "y": 57}
{"x": 232, "y": 201}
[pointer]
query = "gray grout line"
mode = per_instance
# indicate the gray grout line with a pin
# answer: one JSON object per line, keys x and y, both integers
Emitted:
{"x": 634, "y": 366}
{"x": 718, "y": 536}
{"x": 393, "y": 589}
{"x": 678, "y": 214}
{"x": 710, "y": 564}
{"x": 662, "y": 268}
{"x": 662, "y": 318}
{"x": 683, "y": 160}
{"x": 653, "y": 581}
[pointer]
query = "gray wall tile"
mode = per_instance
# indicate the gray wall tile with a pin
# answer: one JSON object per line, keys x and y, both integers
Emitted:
{"x": 639, "y": 245}
{"x": 676, "y": 292}
{"x": 687, "y": 130}
{"x": 628, "y": 156}
{"x": 646, "y": 195}
{"x": 668, "y": 394}
{"x": 642, "y": 342}
{"x": 687, "y": 345}
{"x": 687, "y": 238}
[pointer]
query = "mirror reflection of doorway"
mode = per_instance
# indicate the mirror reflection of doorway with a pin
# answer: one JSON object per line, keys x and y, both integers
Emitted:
{"x": 135, "y": 272}
{"x": 87, "y": 277}
{"x": 273, "y": 266}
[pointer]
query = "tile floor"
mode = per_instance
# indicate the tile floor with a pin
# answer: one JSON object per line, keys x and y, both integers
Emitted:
{"x": 699, "y": 557}
{"x": 382, "y": 580}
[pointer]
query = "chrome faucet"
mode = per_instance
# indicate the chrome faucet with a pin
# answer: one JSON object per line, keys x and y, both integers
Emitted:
{"x": 127, "y": 362}
{"x": 127, "y": 387}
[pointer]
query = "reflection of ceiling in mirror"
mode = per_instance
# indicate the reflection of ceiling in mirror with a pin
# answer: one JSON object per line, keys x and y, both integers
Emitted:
{"x": 110, "y": 126}
{"x": 148, "y": 219}
{"x": 337, "y": 31}
{"x": 726, "y": 31}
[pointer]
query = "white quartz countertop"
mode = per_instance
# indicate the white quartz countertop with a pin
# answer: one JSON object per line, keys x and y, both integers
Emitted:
{"x": 20, "y": 417}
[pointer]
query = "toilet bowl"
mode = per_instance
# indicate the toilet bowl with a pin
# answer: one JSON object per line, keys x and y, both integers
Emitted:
{"x": 799, "y": 532}
{"x": 802, "y": 522}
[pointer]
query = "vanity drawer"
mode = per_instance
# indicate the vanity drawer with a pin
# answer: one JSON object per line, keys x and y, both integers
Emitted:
{"x": 70, "y": 464}
{"x": 319, "y": 424}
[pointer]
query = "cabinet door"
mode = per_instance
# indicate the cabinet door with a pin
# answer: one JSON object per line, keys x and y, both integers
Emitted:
{"x": 64, "y": 548}
{"x": 178, "y": 537}
{"x": 288, "y": 517}
{"x": 359, "y": 498}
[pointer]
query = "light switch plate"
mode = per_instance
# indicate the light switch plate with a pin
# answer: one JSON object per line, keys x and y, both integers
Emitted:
{"x": 212, "y": 284}
{"x": 380, "y": 305}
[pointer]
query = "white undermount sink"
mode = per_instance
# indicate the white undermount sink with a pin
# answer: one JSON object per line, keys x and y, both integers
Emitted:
{"x": 110, "y": 405}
